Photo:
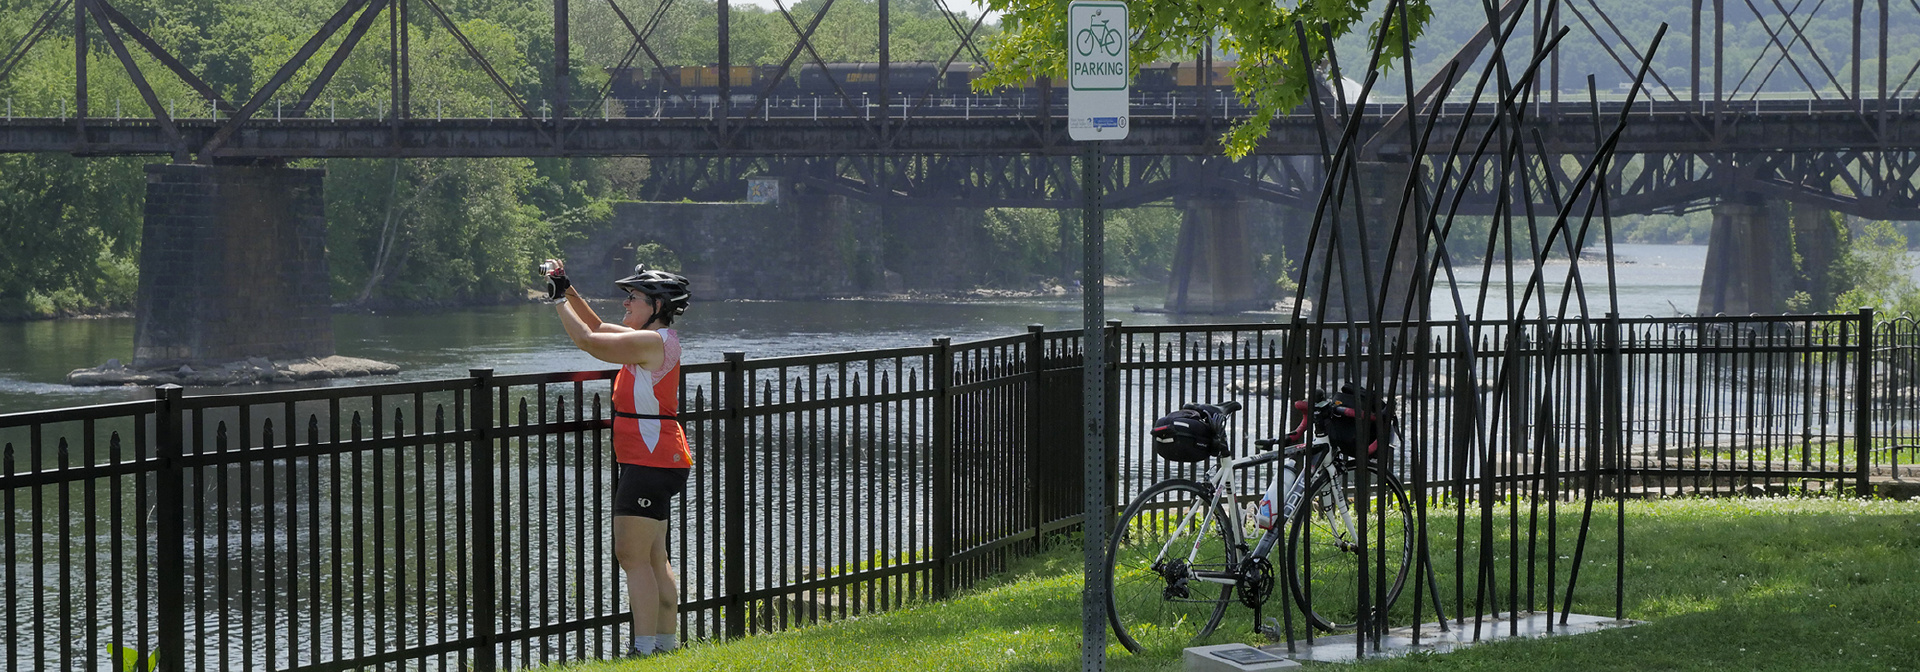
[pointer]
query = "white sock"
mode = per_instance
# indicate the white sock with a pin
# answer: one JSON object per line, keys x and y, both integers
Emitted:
{"x": 665, "y": 642}
{"x": 642, "y": 644}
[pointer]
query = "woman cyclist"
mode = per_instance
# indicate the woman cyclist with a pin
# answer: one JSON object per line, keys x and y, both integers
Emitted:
{"x": 648, "y": 443}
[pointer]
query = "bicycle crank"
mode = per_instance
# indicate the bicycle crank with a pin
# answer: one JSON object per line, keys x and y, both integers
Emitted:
{"x": 1255, "y": 583}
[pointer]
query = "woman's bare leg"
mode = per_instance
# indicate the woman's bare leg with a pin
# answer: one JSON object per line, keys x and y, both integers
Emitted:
{"x": 634, "y": 540}
{"x": 667, "y": 587}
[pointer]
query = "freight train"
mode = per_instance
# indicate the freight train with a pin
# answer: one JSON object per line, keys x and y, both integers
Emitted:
{"x": 701, "y": 83}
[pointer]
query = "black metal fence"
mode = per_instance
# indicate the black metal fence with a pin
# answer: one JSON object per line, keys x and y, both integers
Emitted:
{"x": 463, "y": 523}
{"x": 1720, "y": 405}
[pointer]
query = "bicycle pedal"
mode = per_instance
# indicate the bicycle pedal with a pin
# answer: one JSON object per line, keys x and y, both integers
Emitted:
{"x": 1272, "y": 629}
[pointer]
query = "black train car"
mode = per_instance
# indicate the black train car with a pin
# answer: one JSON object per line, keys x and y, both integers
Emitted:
{"x": 1164, "y": 76}
{"x": 681, "y": 83}
{"x": 701, "y": 83}
{"x": 916, "y": 78}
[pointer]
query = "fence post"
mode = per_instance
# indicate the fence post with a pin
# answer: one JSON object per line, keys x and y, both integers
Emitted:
{"x": 1863, "y": 407}
{"x": 1036, "y": 504}
{"x": 170, "y": 542}
{"x": 733, "y": 482}
{"x": 1111, "y": 363}
{"x": 480, "y": 475}
{"x": 942, "y": 422}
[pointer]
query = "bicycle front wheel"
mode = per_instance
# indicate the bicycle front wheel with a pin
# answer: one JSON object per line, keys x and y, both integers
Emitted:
{"x": 1324, "y": 547}
{"x": 1166, "y": 538}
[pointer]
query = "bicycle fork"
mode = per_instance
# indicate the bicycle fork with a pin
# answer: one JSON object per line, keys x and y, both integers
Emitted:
{"x": 1339, "y": 515}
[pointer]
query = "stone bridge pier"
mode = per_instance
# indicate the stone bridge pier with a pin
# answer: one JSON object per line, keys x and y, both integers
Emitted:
{"x": 233, "y": 266}
{"x": 1234, "y": 241}
{"x": 1213, "y": 262}
{"x": 1763, "y": 252}
{"x": 1350, "y": 261}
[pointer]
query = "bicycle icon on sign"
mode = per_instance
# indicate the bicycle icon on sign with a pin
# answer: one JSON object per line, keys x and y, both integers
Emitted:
{"x": 1099, "y": 34}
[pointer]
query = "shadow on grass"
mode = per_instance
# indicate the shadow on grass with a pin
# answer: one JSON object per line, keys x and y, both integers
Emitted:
{"x": 1776, "y": 584}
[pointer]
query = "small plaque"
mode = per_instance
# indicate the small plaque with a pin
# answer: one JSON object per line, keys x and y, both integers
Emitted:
{"x": 1246, "y": 656}
{"x": 763, "y": 190}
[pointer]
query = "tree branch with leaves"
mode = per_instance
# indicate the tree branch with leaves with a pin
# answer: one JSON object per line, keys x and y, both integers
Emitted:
{"x": 1272, "y": 69}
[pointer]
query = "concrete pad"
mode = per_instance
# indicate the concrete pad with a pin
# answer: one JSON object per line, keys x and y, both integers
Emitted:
{"x": 1232, "y": 658}
{"x": 1456, "y": 634}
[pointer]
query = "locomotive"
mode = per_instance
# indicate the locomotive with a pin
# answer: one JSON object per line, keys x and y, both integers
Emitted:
{"x": 689, "y": 83}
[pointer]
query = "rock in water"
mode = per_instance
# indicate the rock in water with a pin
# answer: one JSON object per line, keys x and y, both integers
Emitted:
{"x": 249, "y": 371}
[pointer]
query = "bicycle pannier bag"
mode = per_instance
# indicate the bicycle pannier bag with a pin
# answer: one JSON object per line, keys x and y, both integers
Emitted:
{"x": 1187, "y": 435}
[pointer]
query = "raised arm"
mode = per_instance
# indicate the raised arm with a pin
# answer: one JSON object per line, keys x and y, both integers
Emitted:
{"x": 577, "y": 307}
{"x": 609, "y": 342}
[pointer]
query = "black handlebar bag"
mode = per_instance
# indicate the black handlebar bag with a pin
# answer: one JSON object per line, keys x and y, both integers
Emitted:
{"x": 1188, "y": 435}
{"x": 1342, "y": 413}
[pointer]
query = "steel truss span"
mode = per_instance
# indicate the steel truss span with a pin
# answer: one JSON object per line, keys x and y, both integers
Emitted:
{"x": 1785, "y": 114}
{"x": 1880, "y": 185}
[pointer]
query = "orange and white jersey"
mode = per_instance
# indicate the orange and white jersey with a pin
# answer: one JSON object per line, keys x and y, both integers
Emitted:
{"x": 653, "y": 439}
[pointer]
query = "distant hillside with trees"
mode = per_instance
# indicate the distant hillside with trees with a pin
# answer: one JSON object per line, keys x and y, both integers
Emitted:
{"x": 1827, "y": 26}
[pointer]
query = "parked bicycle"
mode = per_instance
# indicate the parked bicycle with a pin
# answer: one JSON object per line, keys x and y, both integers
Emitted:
{"x": 1179, "y": 553}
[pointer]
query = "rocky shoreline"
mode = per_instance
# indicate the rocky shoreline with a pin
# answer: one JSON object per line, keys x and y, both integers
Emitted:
{"x": 250, "y": 371}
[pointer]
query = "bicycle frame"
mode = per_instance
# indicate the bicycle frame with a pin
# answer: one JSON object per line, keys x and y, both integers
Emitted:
{"x": 1220, "y": 482}
{"x": 1316, "y": 467}
{"x": 1317, "y": 453}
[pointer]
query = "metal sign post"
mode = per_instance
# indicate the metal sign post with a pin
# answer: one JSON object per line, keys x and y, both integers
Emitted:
{"x": 1093, "y": 604}
{"x": 1097, "y": 88}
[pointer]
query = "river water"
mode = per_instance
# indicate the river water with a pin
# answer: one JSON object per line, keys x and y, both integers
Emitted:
{"x": 36, "y": 356}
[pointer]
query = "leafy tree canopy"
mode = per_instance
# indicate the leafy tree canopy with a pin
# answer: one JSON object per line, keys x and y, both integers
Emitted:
{"x": 1273, "y": 68}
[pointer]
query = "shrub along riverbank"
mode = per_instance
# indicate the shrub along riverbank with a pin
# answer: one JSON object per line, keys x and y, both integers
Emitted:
{"x": 1730, "y": 584}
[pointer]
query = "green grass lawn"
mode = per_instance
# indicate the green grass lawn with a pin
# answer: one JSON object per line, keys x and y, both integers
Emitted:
{"x": 1725, "y": 584}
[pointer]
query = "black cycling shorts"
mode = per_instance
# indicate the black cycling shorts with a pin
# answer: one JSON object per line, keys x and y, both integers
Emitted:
{"x": 644, "y": 491}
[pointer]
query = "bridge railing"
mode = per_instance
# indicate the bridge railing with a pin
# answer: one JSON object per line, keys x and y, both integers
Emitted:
{"x": 1219, "y": 103}
{"x": 463, "y": 522}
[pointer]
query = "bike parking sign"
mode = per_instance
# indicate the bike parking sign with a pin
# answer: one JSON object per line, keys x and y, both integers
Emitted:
{"x": 1097, "y": 65}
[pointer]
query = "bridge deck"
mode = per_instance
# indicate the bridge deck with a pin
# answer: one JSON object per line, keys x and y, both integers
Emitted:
{"x": 1659, "y": 128}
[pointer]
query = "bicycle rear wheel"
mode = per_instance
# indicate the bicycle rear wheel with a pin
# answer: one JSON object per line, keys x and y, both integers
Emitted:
{"x": 1171, "y": 530}
{"x": 1323, "y": 547}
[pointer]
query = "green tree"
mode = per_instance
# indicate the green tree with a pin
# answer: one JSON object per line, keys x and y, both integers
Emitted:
{"x": 432, "y": 230}
{"x": 1272, "y": 72}
{"x": 73, "y": 231}
{"x": 450, "y": 230}
{"x": 1877, "y": 272}
{"x": 757, "y": 35}
{"x": 1140, "y": 242}
{"x": 1027, "y": 243}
